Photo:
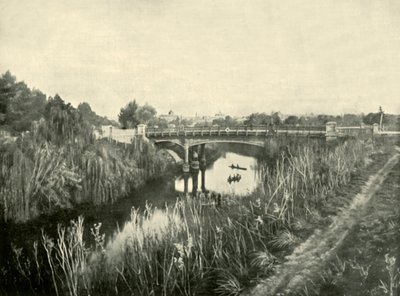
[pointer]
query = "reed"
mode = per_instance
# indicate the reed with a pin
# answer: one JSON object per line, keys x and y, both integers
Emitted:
{"x": 193, "y": 246}
{"x": 299, "y": 184}
{"x": 34, "y": 183}
{"x": 39, "y": 173}
{"x": 177, "y": 251}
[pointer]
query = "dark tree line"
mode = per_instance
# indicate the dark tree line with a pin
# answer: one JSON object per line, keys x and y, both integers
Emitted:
{"x": 20, "y": 106}
{"x": 388, "y": 120}
{"x": 55, "y": 160}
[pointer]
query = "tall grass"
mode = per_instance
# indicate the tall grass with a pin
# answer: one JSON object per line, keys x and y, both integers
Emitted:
{"x": 39, "y": 172}
{"x": 298, "y": 184}
{"x": 192, "y": 246}
{"x": 175, "y": 251}
{"x": 34, "y": 183}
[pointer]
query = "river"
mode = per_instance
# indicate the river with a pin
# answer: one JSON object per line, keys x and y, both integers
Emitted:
{"x": 158, "y": 193}
{"x": 217, "y": 176}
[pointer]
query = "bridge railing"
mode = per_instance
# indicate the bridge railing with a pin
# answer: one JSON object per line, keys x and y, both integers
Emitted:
{"x": 355, "y": 130}
{"x": 232, "y": 130}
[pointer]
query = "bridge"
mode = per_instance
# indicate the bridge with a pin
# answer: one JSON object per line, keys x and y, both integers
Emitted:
{"x": 187, "y": 137}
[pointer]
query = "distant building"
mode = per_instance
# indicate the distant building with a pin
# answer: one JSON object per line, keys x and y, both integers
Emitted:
{"x": 219, "y": 115}
{"x": 169, "y": 117}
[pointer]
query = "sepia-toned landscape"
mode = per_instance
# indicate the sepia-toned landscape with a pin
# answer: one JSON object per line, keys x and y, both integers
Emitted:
{"x": 175, "y": 147}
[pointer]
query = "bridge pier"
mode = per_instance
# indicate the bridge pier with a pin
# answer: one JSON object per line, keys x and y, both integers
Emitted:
{"x": 186, "y": 183}
{"x": 194, "y": 168}
{"x": 203, "y": 166}
{"x": 203, "y": 179}
{"x": 186, "y": 167}
{"x": 203, "y": 155}
{"x": 195, "y": 182}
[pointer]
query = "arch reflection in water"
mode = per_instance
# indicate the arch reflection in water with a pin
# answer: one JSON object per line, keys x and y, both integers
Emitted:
{"x": 215, "y": 178}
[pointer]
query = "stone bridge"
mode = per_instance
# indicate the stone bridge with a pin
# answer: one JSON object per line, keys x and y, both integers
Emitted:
{"x": 254, "y": 135}
{"x": 187, "y": 137}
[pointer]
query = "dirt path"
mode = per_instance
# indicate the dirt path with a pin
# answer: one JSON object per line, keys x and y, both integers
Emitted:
{"x": 367, "y": 257}
{"x": 309, "y": 258}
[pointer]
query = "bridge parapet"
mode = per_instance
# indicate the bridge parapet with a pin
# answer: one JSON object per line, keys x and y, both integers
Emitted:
{"x": 141, "y": 130}
{"x": 234, "y": 131}
{"x": 255, "y": 134}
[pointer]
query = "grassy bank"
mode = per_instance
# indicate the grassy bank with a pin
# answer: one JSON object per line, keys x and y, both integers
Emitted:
{"x": 193, "y": 247}
{"x": 60, "y": 164}
{"x": 368, "y": 261}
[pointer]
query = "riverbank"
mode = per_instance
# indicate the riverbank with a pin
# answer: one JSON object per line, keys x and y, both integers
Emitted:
{"x": 42, "y": 177}
{"x": 302, "y": 269}
{"x": 368, "y": 260}
{"x": 194, "y": 248}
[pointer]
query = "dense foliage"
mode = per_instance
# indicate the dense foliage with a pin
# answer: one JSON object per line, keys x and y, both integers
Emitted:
{"x": 389, "y": 120}
{"x": 133, "y": 114}
{"x": 193, "y": 247}
{"x": 86, "y": 111}
{"x": 20, "y": 106}
{"x": 57, "y": 162}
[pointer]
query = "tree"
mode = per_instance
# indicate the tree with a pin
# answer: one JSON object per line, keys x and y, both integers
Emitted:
{"x": 19, "y": 105}
{"x": 323, "y": 119}
{"x": 275, "y": 118}
{"x": 258, "y": 119}
{"x": 25, "y": 107}
{"x": 127, "y": 115}
{"x": 182, "y": 122}
{"x": 7, "y": 91}
{"x": 63, "y": 124}
{"x": 88, "y": 114}
{"x": 85, "y": 109}
{"x": 351, "y": 120}
{"x": 292, "y": 120}
{"x": 372, "y": 118}
{"x": 145, "y": 113}
{"x": 158, "y": 122}
{"x": 227, "y": 121}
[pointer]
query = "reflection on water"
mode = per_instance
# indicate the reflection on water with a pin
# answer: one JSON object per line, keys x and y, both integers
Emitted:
{"x": 222, "y": 178}
{"x": 141, "y": 228}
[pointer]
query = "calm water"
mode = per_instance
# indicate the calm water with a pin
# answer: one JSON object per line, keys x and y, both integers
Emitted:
{"x": 157, "y": 193}
{"x": 115, "y": 218}
{"x": 216, "y": 176}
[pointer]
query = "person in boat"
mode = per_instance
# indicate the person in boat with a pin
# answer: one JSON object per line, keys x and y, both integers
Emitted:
{"x": 230, "y": 179}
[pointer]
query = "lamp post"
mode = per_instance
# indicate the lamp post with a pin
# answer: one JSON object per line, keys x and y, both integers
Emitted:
{"x": 381, "y": 119}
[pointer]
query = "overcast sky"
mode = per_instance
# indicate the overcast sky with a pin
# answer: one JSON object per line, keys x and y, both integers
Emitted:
{"x": 205, "y": 56}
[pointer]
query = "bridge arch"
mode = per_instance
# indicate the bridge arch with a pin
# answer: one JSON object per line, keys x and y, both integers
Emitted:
{"x": 175, "y": 142}
{"x": 192, "y": 143}
{"x": 217, "y": 141}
